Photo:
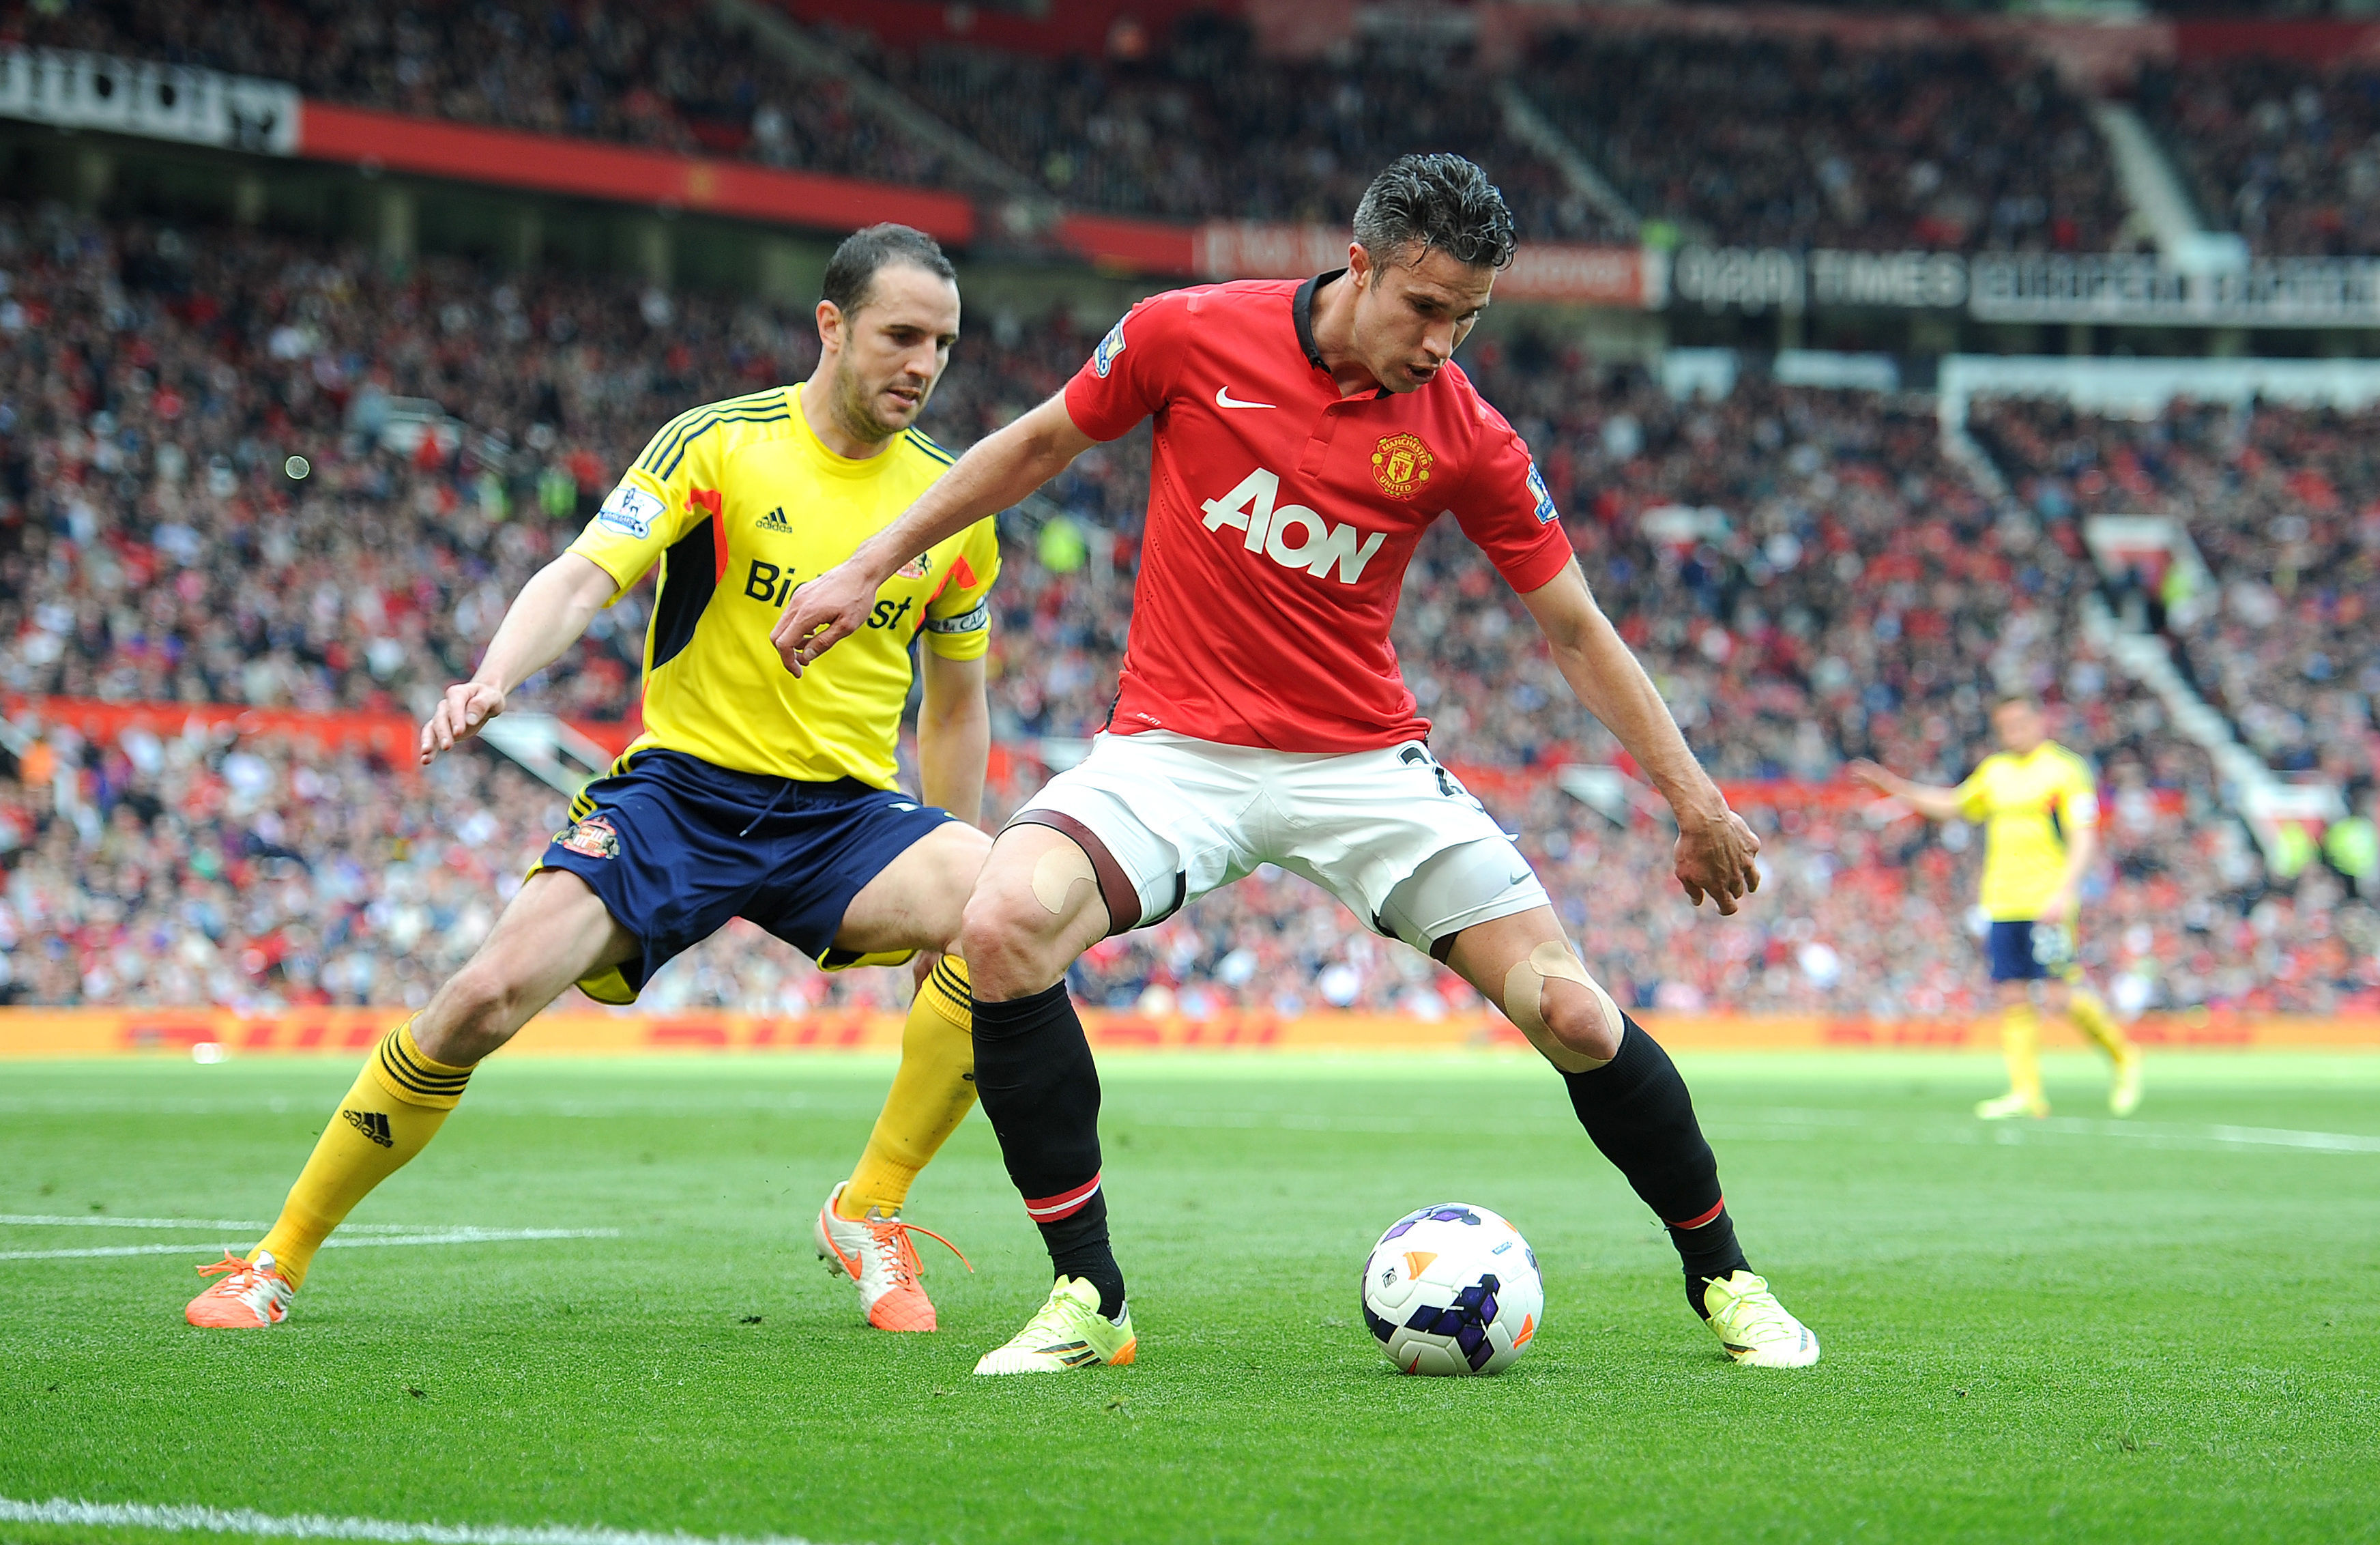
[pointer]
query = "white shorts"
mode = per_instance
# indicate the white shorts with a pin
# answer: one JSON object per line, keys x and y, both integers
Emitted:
{"x": 1184, "y": 816}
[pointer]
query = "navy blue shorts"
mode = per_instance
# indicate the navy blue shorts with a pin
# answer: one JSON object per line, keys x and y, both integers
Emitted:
{"x": 2020, "y": 953}
{"x": 675, "y": 847}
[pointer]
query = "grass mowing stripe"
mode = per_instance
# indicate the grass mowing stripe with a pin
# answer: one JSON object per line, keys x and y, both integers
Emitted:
{"x": 451, "y": 1236}
{"x": 316, "y": 1526}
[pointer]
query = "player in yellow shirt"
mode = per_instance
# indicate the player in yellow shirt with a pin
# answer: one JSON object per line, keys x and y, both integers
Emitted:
{"x": 2039, "y": 809}
{"x": 751, "y": 793}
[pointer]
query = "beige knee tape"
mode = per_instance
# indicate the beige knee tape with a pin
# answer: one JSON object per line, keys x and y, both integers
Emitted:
{"x": 1060, "y": 870}
{"x": 1525, "y": 989}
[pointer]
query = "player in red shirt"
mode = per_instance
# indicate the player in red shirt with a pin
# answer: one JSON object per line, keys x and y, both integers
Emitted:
{"x": 1306, "y": 436}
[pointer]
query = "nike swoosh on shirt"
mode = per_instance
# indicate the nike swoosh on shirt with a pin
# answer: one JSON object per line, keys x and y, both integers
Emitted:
{"x": 1223, "y": 399}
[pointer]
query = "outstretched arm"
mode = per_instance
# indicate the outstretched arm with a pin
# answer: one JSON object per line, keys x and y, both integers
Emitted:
{"x": 1001, "y": 469}
{"x": 1715, "y": 848}
{"x": 547, "y": 618}
{"x": 1930, "y": 800}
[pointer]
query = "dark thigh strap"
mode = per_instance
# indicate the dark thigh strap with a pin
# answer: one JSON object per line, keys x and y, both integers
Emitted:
{"x": 1116, "y": 889}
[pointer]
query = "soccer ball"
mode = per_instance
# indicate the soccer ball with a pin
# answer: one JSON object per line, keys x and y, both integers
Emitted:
{"x": 1453, "y": 1290}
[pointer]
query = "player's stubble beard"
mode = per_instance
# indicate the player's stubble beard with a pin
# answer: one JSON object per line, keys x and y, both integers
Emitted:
{"x": 854, "y": 405}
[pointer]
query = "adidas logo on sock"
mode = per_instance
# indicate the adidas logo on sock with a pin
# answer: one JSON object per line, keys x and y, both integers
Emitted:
{"x": 372, "y": 1124}
{"x": 775, "y": 521}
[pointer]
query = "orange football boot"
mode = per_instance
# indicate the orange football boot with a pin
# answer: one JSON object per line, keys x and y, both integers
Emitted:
{"x": 875, "y": 1253}
{"x": 252, "y": 1294}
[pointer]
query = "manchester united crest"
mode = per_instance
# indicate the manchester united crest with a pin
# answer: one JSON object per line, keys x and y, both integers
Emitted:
{"x": 1401, "y": 463}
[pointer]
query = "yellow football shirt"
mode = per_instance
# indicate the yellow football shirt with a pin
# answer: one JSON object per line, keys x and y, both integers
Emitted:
{"x": 2027, "y": 805}
{"x": 739, "y": 502}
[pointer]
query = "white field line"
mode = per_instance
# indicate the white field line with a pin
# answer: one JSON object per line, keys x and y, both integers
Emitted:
{"x": 2227, "y": 1137}
{"x": 316, "y": 1526}
{"x": 81, "y": 1220}
{"x": 447, "y": 1236}
{"x": 1802, "y": 1125}
{"x": 2158, "y": 1135}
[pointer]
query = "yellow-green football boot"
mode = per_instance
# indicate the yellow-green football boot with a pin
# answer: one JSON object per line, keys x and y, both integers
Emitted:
{"x": 1069, "y": 1332}
{"x": 1753, "y": 1326}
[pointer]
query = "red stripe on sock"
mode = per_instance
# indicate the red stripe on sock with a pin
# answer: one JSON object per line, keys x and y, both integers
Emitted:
{"x": 1065, "y": 1204}
{"x": 1697, "y": 1222}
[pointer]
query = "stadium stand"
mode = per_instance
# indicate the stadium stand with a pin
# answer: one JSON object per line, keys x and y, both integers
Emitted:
{"x": 1954, "y": 147}
{"x": 665, "y": 75}
{"x": 1804, "y": 571}
{"x": 1207, "y": 128}
{"x": 2283, "y": 151}
{"x": 1770, "y": 142}
{"x": 2284, "y": 504}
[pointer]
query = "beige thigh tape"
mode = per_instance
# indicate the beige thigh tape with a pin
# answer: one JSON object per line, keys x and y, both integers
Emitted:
{"x": 1524, "y": 989}
{"x": 1062, "y": 869}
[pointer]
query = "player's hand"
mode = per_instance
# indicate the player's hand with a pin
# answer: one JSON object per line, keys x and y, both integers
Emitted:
{"x": 2059, "y": 906}
{"x": 1715, "y": 859}
{"x": 467, "y": 706}
{"x": 820, "y": 614}
{"x": 1868, "y": 774}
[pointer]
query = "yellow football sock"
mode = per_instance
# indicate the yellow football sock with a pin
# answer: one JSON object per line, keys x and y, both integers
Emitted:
{"x": 930, "y": 1095}
{"x": 2091, "y": 1016}
{"x": 2020, "y": 1045}
{"x": 397, "y": 1104}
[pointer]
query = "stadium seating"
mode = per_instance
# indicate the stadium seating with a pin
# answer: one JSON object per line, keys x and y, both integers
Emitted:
{"x": 1208, "y": 129}
{"x": 664, "y": 75}
{"x": 1803, "y": 572}
{"x": 1765, "y": 142}
{"x": 2284, "y": 504}
{"x": 2281, "y": 151}
{"x": 1947, "y": 147}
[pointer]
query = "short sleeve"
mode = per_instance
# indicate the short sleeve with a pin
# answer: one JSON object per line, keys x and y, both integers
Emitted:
{"x": 958, "y": 620}
{"x": 1975, "y": 795}
{"x": 1127, "y": 377}
{"x": 1504, "y": 507}
{"x": 2078, "y": 799}
{"x": 664, "y": 495}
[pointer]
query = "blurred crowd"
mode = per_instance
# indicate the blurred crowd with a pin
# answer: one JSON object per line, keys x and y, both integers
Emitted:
{"x": 1749, "y": 140}
{"x": 2285, "y": 152}
{"x": 2284, "y": 504}
{"x": 1805, "y": 574}
{"x": 1802, "y": 143}
{"x": 666, "y": 73}
{"x": 1204, "y": 127}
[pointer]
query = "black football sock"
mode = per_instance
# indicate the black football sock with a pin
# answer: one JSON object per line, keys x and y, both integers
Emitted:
{"x": 1039, "y": 1087}
{"x": 1637, "y": 1110}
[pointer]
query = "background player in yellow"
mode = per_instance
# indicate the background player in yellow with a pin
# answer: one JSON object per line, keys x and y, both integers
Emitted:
{"x": 750, "y": 792}
{"x": 2039, "y": 809}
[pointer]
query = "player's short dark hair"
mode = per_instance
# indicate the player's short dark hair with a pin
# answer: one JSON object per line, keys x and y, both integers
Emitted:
{"x": 1435, "y": 202}
{"x": 2014, "y": 699}
{"x": 851, "y": 272}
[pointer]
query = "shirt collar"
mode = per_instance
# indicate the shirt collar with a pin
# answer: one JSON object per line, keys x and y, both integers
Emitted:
{"x": 1301, "y": 310}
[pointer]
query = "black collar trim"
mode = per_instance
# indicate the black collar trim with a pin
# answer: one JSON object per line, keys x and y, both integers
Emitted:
{"x": 1301, "y": 310}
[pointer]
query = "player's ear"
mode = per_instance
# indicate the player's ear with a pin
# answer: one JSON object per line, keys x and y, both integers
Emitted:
{"x": 829, "y": 324}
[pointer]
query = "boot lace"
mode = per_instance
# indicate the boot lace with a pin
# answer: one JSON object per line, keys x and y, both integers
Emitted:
{"x": 242, "y": 1274}
{"x": 898, "y": 1254}
{"x": 1754, "y": 1315}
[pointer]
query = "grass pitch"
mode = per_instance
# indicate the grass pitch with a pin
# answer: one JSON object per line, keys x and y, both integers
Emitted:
{"x": 2161, "y": 1330}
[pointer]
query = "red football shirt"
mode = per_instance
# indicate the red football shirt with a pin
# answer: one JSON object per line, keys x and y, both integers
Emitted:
{"x": 1282, "y": 517}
